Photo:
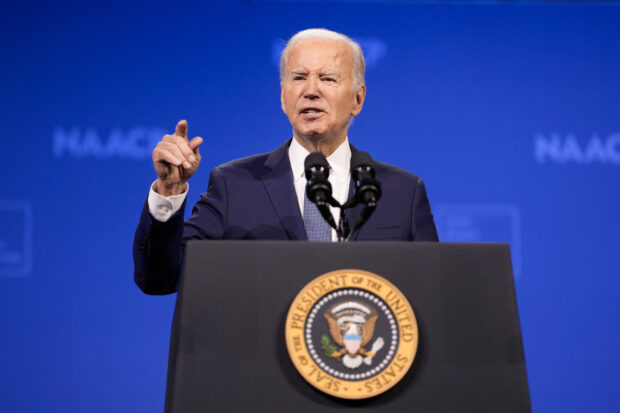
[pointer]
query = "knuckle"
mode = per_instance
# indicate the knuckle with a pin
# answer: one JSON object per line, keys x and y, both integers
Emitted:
{"x": 158, "y": 152}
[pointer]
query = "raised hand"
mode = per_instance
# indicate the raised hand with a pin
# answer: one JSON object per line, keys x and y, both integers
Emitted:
{"x": 175, "y": 160}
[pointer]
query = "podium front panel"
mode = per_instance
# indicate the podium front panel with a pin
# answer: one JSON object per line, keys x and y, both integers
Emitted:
{"x": 228, "y": 351}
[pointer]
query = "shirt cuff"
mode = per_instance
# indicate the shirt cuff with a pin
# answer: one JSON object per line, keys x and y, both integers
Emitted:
{"x": 162, "y": 207}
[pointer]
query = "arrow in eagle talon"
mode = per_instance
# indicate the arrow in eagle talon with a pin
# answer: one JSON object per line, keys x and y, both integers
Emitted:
{"x": 376, "y": 346}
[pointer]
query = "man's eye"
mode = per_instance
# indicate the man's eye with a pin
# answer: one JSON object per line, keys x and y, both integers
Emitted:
{"x": 298, "y": 78}
{"x": 329, "y": 79}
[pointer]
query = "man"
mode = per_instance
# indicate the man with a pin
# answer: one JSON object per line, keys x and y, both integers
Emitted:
{"x": 262, "y": 196}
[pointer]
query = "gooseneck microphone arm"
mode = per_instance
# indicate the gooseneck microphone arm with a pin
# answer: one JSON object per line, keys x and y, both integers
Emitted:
{"x": 361, "y": 220}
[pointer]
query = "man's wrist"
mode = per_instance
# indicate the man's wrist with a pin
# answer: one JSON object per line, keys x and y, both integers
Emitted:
{"x": 172, "y": 189}
{"x": 163, "y": 207}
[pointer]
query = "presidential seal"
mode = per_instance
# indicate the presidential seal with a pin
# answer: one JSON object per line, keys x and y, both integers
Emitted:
{"x": 351, "y": 334}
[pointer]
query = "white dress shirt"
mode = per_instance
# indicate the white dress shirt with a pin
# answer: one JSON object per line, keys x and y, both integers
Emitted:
{"x": 162, "y": 208}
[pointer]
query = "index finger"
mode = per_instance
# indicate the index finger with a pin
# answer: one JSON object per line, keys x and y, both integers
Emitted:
{"x": 181, "y": 129}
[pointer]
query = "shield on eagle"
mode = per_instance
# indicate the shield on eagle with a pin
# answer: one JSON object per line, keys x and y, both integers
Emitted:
{"x": 352, "y": 342}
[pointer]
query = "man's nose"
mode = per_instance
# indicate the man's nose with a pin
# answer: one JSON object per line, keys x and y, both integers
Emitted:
{"x": 312, "y": 88}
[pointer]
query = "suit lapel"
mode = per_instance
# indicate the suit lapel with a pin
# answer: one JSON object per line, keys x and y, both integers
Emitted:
{"x": 279, "y": 185}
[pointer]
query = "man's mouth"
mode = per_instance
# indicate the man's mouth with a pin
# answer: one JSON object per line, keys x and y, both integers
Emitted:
{"x": 310, "y": 111}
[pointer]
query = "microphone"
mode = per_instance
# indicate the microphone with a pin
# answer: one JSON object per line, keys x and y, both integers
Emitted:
{"x": 318, "y": 188}
{"x": 367, "y": 188}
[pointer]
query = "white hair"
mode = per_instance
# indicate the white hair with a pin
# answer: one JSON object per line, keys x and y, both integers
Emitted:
{"x": 359, "y": 63}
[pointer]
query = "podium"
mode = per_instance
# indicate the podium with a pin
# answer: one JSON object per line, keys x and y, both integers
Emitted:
{"x": 228, "y": 352}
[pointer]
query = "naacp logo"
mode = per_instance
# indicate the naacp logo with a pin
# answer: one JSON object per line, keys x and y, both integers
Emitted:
{"x": 351, "y": 334}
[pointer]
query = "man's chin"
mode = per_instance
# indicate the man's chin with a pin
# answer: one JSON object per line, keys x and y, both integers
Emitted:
{"x": 312, "y": 129}
{"x": 318, "y": 134}
{"x": 312, "y": 135}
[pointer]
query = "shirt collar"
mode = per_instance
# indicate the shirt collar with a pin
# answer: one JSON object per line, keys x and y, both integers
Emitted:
{"x": 339, "y": 161}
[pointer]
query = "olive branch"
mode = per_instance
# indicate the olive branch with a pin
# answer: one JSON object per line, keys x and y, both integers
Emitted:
{"x": 327, "y": 346}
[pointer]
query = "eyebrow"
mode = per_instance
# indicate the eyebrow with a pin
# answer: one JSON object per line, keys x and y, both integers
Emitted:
{"x": 305, "y": 73}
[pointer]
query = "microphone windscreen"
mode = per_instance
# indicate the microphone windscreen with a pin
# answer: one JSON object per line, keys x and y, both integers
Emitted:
{"x": 316, "y": 159}
{"x": 360, "y": 158}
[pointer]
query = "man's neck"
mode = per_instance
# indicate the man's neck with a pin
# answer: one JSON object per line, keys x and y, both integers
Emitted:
{"x": 326, "y": 146}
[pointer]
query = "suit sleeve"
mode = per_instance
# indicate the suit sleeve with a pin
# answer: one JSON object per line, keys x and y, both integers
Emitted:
{"x": 159, "y": 247}
{"x": 422, "y": 219}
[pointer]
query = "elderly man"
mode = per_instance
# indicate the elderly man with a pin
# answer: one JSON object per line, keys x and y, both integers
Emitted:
{"x": 262, "y": 196}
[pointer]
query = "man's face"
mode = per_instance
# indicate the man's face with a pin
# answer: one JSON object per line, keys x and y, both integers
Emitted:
{"x": 318, "y": 94}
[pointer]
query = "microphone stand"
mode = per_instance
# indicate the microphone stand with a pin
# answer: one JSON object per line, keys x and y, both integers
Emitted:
{"x": 362, "y": 196}
{"x": 343, "y": 225}
{"x": 343, "y": 231}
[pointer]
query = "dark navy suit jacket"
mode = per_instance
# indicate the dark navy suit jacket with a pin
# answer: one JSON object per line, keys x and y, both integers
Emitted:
{"x": 254, "y": 198}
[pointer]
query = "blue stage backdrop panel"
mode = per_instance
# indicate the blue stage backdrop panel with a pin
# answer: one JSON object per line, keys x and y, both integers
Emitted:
{"x": 509, "y": 112}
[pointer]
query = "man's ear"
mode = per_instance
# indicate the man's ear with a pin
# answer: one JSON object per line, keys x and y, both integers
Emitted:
{"x": 360, "y": 95}
{"x": 282, "y": 100}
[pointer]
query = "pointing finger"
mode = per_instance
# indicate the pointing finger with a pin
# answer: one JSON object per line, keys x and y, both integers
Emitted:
{"x": 181, "y": 129}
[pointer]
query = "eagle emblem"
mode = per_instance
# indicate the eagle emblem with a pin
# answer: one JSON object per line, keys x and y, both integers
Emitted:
{"x": 351, "y": 326}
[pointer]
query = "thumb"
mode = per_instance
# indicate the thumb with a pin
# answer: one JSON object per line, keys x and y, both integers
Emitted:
{"x": 195, "y": 143}
{"x": 181, "y": 129}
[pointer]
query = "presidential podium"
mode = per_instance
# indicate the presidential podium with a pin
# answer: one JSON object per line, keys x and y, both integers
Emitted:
{"x": 228, "y": 350}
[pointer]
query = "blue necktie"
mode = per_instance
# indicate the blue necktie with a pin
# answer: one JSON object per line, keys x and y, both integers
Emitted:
{"x": 316, "y": 227}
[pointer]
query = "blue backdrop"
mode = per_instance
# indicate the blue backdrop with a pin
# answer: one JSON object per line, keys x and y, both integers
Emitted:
{"x": 510, "y": 113}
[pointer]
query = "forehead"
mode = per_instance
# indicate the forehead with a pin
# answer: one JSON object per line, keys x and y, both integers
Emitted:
{"x": 319, "y": 55}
